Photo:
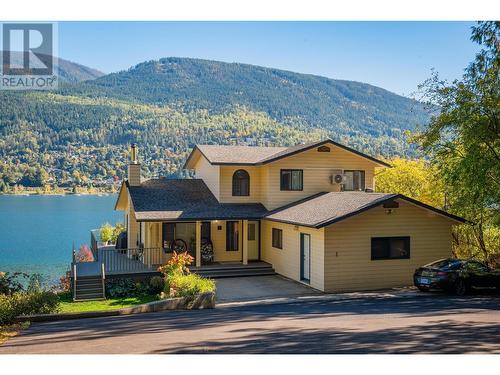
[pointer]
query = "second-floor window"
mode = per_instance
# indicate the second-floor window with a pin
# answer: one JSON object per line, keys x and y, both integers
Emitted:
{"x": 291, "y": 179}
{"x": 241, "y": 183}
{"x": 354, "y": 181}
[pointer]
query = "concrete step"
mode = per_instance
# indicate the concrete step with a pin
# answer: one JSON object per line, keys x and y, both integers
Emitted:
{"x": 250, "y": 266}
{"x": 236, "y": 273}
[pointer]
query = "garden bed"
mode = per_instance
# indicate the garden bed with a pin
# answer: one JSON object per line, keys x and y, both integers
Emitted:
{"x": 201, "y": 301}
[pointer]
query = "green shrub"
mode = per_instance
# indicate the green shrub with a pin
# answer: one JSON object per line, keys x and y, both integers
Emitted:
{"x": 11, "y": 283}
{"x": 106, "y": 232}
{"x": 26, "y": 304}
{"x": 157, "y": 284}
{"x": 119, "y": 227}
{"x": 109, "y": 233}
{"x": 127, "y": 287}
{"x": 120, "y": 288}
{"x": 188, "y": 285}
{"x": 35, "y": 283}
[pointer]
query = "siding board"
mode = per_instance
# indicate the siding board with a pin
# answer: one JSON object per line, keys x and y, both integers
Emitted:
{"x": 226, "y": 185}
{"x": 348, "y": 264}
{"x": 286, "y": 261}
{"x": 318, "y": 168}
{"x": 210, "y": 174}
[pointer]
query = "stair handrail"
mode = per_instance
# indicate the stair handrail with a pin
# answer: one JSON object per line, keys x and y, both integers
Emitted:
{"x": 103, "y": 278}
{"x": 74, "y": 281}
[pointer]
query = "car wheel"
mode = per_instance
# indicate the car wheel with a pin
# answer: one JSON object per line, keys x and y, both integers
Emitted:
{"x": 460, "y": 288}
{"x": 423, "y": 289}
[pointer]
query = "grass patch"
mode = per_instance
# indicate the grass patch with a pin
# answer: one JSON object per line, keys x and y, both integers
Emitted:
{"x": 67, "y": 305}
{"x": 6, "y": 332}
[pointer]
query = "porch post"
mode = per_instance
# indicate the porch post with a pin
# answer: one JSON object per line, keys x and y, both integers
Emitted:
{"x": 244, "y": 234}
{"x": 198, "y": 244}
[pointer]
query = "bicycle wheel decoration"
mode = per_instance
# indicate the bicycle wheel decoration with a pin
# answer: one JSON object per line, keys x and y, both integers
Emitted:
{"x": 178, "y": 245}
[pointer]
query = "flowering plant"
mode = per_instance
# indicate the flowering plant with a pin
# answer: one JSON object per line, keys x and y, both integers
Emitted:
{"x": 177, "y": 264}
{"x": 65, "y": 282}
{"x": 84, "y": 254}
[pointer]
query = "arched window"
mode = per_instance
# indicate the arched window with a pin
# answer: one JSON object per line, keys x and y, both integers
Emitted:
{"x": 241, "y": 183}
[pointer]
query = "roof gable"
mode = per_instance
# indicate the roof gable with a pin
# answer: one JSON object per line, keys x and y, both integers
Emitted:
{"x": 325, "y": 209}
{"x": 256, "y": 155}
{"x": 122, "y": 200}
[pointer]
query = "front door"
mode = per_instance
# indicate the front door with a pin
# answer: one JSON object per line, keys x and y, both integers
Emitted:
{"x": 305, "y": 257}
{"x": 253, "y": 240}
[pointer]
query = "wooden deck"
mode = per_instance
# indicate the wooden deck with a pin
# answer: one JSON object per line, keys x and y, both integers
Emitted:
{"x": 117, "y": 263}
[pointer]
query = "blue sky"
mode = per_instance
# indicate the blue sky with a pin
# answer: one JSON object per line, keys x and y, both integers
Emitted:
{"x": 394, "y": 55}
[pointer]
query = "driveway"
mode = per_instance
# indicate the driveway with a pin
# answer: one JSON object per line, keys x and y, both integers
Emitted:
{"x": 260, "y": 287}
{"x": 433, "y": 324}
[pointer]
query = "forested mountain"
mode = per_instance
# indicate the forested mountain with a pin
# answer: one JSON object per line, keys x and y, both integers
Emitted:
{"x": 343, "y": 107}
{"x": 70, "y": 72}
{"x": 79, "y": 134}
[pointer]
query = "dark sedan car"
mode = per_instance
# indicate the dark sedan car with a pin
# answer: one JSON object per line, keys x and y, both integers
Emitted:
{"x": 456, "y": 275}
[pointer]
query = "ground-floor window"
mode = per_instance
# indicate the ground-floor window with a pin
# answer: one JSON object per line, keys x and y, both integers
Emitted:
{"x": 390, "y": 248}
{"x": 277, "y": 238}
{"x": 232, "y": 238}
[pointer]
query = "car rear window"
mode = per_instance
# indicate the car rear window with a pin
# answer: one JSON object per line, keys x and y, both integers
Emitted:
{"x": 446, "y": 263}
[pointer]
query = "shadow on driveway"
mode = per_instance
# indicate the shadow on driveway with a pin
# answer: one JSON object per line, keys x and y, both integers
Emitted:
{"x": 424, "y": 325}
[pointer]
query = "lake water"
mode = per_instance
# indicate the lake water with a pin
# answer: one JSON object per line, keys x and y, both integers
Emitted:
{"x": 37, "y": 232}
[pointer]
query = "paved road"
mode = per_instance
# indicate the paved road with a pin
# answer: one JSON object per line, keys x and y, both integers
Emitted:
{"x": 391, "y": 325}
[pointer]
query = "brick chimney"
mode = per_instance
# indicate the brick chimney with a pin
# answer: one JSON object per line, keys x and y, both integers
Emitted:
{"x": 134, "y": 168}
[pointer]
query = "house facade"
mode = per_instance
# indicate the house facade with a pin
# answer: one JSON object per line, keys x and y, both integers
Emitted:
{"x": 309, "y": 210}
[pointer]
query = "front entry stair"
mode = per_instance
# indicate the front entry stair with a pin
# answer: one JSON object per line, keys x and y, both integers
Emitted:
{"x": 221, "y": 270}
{"x": 89, "y": 288}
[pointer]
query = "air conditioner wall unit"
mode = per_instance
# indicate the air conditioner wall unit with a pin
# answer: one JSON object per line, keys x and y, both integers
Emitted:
{"x": 337, "y": 177}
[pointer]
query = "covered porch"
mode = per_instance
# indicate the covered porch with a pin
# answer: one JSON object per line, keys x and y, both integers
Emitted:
{"x": 220, "y": 248}
{"x": 209, "y": 242}
{"x": 163, "y": 216}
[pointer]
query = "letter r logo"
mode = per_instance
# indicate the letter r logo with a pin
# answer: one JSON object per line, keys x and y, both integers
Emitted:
{"x": 27, "y": 49}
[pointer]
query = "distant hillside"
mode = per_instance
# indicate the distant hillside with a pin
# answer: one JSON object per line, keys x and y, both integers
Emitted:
{"x": 79, "y": 135}
{"x": 69, "y": 72}
{"x": 342, "y": 107}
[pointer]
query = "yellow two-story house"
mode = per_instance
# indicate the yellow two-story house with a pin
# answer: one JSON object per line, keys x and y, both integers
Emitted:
{"x": 308, "y": 211}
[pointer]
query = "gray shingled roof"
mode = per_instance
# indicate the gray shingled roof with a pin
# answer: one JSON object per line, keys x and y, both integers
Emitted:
{"x": 256, "y": 155}
{"x": 237, "y": 154}
{"x": 185, "y": 199}
{"x": 190, "y": 199}
{"x": 292, "y": 150}
{"x": 326, "y": 208}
